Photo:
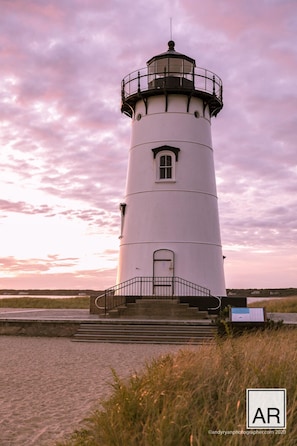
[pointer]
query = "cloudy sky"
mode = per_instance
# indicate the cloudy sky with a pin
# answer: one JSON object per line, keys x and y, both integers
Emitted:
{"x": 64, "y": 142}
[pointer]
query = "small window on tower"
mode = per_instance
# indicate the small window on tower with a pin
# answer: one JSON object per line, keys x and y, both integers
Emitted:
{"x": 165, "y": 163}
{"x": 165, "y": 167}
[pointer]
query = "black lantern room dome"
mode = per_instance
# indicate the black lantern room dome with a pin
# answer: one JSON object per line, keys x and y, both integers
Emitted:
{"x": 172, "y": 53}
{"x": 171, "y": 73}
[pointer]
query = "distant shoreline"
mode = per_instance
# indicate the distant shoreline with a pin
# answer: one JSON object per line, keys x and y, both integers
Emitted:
{"x": 36, "y": 296}
{"x": 48, "y": 292}
{"x": 236, "y": 292}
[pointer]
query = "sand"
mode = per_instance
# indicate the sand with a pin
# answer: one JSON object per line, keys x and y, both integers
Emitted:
{"x": 49, "y": 385}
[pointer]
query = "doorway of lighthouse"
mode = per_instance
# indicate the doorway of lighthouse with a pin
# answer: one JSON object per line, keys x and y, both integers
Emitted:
{"x": 163, "y": 272}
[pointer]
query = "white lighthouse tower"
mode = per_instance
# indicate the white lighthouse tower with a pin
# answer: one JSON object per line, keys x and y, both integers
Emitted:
{"x": 169, "y": 219}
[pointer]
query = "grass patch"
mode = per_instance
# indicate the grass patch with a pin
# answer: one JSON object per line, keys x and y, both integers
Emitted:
{"x": 283, "y": 305}
{"x": 179, "y": 397}
{"x": 45, "y": 302}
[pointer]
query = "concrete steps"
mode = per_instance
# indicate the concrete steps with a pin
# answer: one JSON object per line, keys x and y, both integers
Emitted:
{"x": 157, "y": 308}
{"x": 146, "y": 332}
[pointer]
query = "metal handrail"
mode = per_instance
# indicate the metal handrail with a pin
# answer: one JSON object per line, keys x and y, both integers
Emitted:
{"x": 155, "y": 287}
{"x": 200, "y": 79}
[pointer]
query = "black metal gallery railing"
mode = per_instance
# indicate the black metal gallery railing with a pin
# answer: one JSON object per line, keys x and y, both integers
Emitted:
{"x": 152, "y": 287}
{"x": 200, "y": 79}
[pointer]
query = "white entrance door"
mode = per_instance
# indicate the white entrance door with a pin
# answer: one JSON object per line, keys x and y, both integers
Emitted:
{"x": 163, "y": 272}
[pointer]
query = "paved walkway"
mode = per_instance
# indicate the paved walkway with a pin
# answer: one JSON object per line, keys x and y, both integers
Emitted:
{"x": 33, "y": 314}
{"x": 46, "y": 315}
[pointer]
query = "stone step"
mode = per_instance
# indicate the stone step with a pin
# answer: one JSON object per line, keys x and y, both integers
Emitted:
{"x": 139, "y": 327}
{"x": 145, "y": 332}
{"x": 153, "y": 332}
{"x": 157, "y": 308}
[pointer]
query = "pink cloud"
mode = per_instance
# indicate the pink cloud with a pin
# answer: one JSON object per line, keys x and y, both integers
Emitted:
{"x": 85, "y": 279}
{"x": 63, "y": 135}
{"x": 24, "y": 208}
{"x": 24, "y": 266}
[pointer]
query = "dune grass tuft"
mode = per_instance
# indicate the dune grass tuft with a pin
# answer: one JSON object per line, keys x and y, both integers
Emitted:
{"x": 283, "y": 305}
{"x": 178, "y": 398}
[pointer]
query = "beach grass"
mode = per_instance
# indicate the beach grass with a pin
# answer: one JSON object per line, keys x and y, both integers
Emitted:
{"x": 46, "y": 302}
{"x": 179, "y": 399}
{"x": 283, "y": 305}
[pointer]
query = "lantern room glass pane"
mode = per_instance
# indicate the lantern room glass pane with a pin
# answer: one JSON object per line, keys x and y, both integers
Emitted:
{"x": 188, "y": 67}
{"x": 162, "y": 66}
{"x": 175, "y": 67}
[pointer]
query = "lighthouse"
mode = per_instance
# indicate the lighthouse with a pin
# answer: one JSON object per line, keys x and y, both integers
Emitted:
{"x": 169, "y": 217}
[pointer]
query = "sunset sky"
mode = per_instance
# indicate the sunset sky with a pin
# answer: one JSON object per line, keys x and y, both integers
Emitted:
{"x": 64, "y": 142}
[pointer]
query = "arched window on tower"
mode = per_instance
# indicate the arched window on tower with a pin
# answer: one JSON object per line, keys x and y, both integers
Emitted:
{"x": 165, "y": 158}
{"x": 165, "y": 167}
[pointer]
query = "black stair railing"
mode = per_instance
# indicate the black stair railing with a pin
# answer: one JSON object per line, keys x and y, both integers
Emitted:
{"x": 154, "y": 287}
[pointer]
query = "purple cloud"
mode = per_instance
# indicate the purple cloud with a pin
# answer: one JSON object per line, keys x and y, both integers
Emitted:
{"x": 64, "y": 143}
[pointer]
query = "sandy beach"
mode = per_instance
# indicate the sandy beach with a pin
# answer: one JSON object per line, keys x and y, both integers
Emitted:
{"x": 48, "y": 385}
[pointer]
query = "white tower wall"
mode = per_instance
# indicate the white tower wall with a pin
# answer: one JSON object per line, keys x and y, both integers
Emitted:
{"x": 178, "y": 214}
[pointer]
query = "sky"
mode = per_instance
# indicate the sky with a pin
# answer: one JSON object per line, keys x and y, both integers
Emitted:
{"x": 64, "y": 142}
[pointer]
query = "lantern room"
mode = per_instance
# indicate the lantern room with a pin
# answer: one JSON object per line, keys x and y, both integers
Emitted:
{"x": 171, "y": 69}
{"x": 171, "y": 73}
